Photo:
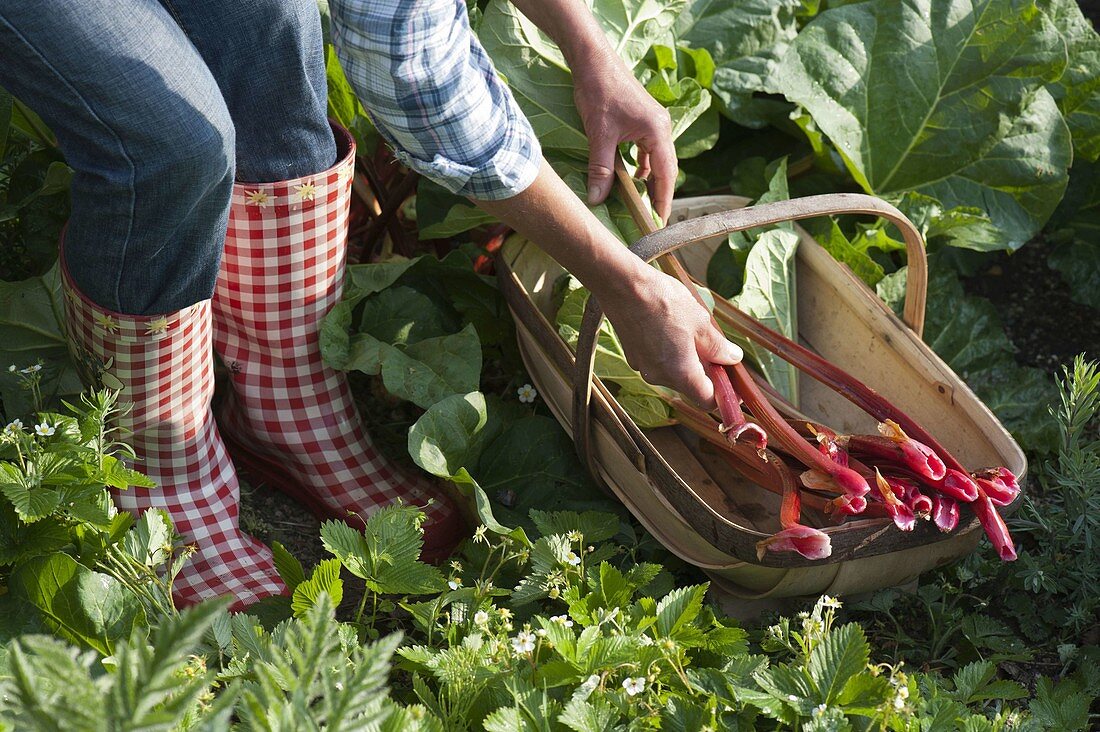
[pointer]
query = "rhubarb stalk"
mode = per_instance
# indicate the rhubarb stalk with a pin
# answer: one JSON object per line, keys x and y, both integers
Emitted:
{"x": 994, "y": 526}
{"x": 809, "y": 542}
{"x": 777, "y": 428}
{"x": 734, "y": 425}
{"x": 894, "y": 445}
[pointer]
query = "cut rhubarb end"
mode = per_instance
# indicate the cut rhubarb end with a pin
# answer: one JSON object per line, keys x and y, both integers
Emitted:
{"x": 748, "y": 433}
{"x": 910, "y": 454}
{"x": 945, "y": 513}
{"x": 999, "y": 493}
{"x": 846, "y": 505}
{"x": 850, "y": 481}
{"x": 994, "y": 527}
{"x": 918, "y": 503}
{"x": 922, "y": 460}
{"x": 902, "y": 515}
{"x": 829, "y": 444}
{"x": 999, "y": 484}
{"x": 958, "y": 485}
{"x": 809, "y": 542}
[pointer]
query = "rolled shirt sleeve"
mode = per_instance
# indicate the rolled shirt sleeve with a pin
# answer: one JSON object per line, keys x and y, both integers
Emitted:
{"x": 434, "y": 95}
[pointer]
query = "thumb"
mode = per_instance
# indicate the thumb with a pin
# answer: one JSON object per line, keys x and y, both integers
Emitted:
{"x": 713, "y": 347}
{"x": 601, "y": 169}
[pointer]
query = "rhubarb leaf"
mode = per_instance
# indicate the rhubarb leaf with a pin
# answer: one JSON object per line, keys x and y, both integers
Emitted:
{"x": 448, "y": 441}
{"x": 769, "y": 296}
{"x": 537, "y": 75}
{"x": 851, "y": 252}
{"x": 534, "y": 464}
{"x": 1078, "y": 90}
{"x": 32, "y": 332}
{"x": 745, "y": 39}
{"x": 1075, "y": 227}
{"x": 944, "y": 99}
{"x": 441, "y": 214}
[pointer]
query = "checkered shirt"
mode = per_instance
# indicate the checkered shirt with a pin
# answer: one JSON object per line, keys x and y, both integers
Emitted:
{"x": 433, "y": 94}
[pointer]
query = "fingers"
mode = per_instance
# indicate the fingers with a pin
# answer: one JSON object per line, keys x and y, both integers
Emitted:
{"x": 601, "y": 167}
{"x": 696, "y": 385}
{"x": 714, "y": 348}
{"x": 643, "y": 170}
{"x": 662, "y": 159}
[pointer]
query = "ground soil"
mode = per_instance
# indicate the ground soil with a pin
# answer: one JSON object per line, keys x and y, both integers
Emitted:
{"x": 1046, "y": 325}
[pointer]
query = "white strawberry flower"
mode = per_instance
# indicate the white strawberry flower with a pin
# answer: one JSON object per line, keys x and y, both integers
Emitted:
{"x": 481, "y": 618}
{"x": 562, "y": 620}
{"x": 634, "y": 686}
{"x": 44, "y": 429}
{"x": 524, "y": 642}
{"x": 572, "y": 559}
{"x": 527, "y": 393}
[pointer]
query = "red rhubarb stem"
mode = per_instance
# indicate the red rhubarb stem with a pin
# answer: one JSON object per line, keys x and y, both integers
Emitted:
{"x": 777, "y": 428}
{"x": 734, "y": 425}
{"x": 831, "y": 376}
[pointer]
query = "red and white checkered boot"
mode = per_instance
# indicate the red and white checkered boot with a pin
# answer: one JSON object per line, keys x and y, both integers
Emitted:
{"x": 290, "y": 420}
{"x": 165, "y": 367}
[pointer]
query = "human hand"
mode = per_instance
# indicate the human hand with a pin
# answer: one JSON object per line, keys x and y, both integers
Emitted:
{"x": 667, "y": 335}
{"x": 614, "y": 107}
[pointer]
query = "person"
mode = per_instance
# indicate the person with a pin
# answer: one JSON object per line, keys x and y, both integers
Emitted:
{"x": 209, "y": 214}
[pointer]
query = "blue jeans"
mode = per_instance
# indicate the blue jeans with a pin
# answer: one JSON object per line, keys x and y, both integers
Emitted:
{"x": 159, "y": 107}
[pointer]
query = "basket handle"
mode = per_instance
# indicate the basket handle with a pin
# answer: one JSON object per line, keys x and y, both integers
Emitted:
{"x": 659, "y": 242}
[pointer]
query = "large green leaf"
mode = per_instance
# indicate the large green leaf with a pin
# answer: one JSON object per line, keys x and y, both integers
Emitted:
{"x": 769, "y": 296}
{"x": 745, "y": 38}
{"x": 441, "y": 214}
{"x": 84, "y": 607}
{"x": 433, "y": 369}
{"x": 535, "y": 463}
{"x": 1078, "y": 91}
{"x": 542, "y": 83}
{"x": 943, "y": 98}
{"x": 448, "y": 441}
{"x": 633, "y": 26}
{"x": 537, "y": 75}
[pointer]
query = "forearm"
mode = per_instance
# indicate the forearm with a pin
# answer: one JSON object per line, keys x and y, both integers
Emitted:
{"x": 571, "y": 25}
{"x": 549, "y": 214}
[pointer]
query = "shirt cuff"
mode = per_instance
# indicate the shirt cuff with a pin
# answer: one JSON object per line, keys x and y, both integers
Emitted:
{"x": 508, "y": 172}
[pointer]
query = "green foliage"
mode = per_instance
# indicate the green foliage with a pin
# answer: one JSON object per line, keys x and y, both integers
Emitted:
{"x": 745, "y": 38}
{"x": 977, "y": 126}
{"x": 151, "y": 684}
{"x": 1063, "y": 517}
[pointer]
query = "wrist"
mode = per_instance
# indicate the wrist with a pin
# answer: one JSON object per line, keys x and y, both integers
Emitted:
{"x": 624, "y": 280}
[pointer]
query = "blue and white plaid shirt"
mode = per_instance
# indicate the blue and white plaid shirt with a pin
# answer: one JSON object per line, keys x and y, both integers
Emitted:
{"x": 434, "y": 96}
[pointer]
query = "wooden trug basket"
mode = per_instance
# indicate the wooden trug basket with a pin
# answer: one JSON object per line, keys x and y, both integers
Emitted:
{"x": 686, "y": 495}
